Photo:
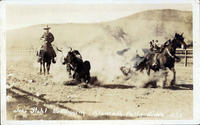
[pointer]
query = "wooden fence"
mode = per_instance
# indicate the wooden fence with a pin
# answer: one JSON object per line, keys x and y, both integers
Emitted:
{"x": 184, "y": 54}
{"x": 23, "y": 52}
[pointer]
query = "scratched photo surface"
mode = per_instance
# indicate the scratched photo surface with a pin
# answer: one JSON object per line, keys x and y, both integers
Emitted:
{"x": 97, "y": 60}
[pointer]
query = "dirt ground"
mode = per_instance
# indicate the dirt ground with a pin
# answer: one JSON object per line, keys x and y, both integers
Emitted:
{"x": 31, "y": 96}
{"x": 108, "y": 46}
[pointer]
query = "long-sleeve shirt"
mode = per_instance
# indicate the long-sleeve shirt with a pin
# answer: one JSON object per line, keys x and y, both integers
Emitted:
{"x": 48, "y": 37}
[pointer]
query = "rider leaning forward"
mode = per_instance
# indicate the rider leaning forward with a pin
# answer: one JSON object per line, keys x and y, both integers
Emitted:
{"x": 155, "y": 47}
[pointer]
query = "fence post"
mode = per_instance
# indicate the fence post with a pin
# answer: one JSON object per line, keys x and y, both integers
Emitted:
{"x": 185, "y": 57}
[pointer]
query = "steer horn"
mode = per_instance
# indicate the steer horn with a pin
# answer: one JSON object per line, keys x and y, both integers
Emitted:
{"x": 70, "y": 49}
{"x": 181, "y": 34}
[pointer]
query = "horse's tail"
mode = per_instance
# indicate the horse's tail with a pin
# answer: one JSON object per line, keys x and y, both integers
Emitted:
{"x": 87, "y": 65}
{"x": 141, "y": 66}
{"x": 140, "y": 63}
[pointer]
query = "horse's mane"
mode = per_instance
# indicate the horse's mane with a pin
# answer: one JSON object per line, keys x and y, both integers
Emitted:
{"x": 167, "y": 43}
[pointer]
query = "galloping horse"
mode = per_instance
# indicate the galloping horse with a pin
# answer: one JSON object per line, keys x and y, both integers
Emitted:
{"x": 164, "y": 59}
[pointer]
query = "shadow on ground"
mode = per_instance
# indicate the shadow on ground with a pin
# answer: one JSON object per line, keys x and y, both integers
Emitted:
{"x": 153, "y": 84}
{"x": 95, "y": 83}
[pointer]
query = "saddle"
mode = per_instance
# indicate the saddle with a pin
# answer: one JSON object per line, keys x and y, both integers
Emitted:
{"x": 47, "y": 47}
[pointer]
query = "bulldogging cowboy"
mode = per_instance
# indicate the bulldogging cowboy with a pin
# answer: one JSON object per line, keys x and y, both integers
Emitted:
{"x": 156, "y": 48}
{"x": 48, "y": 38}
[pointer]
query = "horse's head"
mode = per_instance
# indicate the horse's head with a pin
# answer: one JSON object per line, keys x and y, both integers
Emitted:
{"x": 179, "y": 41}
{"x": 69, "y": 57}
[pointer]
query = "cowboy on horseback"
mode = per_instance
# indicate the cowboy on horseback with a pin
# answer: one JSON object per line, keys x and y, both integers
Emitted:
{"x": 166, "y": 58}
{"x": 48, "y": 38}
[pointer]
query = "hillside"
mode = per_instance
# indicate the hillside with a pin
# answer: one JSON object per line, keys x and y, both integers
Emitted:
{"x": 139, "y": 27}
{"x": 100, "y": 42}
{"x": 110, "y": 95}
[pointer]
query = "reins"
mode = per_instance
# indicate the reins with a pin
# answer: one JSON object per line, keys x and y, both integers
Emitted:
{"x": 170, "y": 53}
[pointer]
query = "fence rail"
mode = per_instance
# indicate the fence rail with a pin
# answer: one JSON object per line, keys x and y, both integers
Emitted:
{"x": 185, "y": 53}
{"x": 25, "y": 52}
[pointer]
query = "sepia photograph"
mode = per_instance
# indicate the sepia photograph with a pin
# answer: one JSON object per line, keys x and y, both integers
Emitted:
{"x": 99, "y": 61}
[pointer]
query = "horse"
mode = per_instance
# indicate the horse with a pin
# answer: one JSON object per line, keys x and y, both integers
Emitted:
{"x": 163, "y": 59}
{"x": 81, "y": 69}
{"x": 45, "y": 57}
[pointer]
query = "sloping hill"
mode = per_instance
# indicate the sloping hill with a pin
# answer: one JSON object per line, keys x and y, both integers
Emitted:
{"x": 100, "y": 42}
{"x": 155, "y": 24}
{"x": 139, "y": 27}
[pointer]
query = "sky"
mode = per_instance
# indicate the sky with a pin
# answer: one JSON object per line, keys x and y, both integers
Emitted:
{"x": 22, "y": 15}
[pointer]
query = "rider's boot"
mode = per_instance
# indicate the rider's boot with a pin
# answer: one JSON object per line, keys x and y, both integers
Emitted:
{"x": 53, "y": 60}
{"x": 155, "y": 64}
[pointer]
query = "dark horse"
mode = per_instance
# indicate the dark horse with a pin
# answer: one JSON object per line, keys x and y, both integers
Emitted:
{"x": 81, "y": 69}
{"x": 45, "y": 57}
{"x": 163, "y": 59}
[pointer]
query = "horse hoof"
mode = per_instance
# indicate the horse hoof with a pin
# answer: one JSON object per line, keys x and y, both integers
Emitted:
{"x": 54, "y": 61}
{"x": 85, "y": 86}
{"x": 164, "y": 87}
{"x": 172, "y": 86}
{"x": 172, "y": 83}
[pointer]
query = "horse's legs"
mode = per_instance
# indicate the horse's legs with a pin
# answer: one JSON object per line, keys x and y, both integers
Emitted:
{"x": 44, "y": 68}
{"x": 174, "y": 76}
{"x": 40, "y": 67}
{"x": 87, "y": 79}
{"x": 68, "y": 67}
{"x": 165, "y": 73}
{"x": 148, "y": 70}
{"x": 76, "y": 76}
{"x": 48, "y": 67}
